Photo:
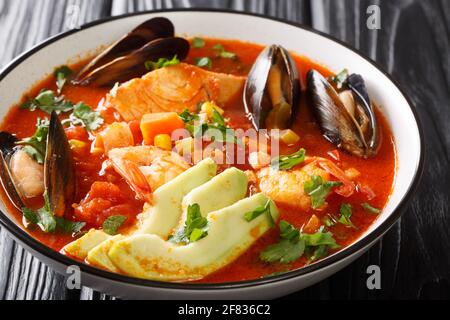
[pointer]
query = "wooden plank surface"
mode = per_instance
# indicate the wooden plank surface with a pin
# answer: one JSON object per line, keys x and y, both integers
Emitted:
{"x": 413, "y": 44}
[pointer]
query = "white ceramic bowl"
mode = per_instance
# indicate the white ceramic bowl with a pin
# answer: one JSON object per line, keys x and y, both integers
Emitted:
{"x": 29, "y": 68}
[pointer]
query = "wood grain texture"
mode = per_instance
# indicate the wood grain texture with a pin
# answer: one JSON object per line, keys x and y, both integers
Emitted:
{"x": 413, "y": 44}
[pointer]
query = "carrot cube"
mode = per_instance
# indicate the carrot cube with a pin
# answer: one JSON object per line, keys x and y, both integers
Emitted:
{"x": 153, "y": 124}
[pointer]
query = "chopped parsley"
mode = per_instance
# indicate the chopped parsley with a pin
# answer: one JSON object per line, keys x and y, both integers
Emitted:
{"x": 195, "y": 228}
{"x": 294, "y": 244}
{"x": 84, "y": 116}
{"x": 188, "y": 116}
{"x": 198, "y": 43}
{"x": 346, "y": 213}
{"x": 223, "y": 53}
{"x": 340, "y": 78}
{"x": 252, "y": 215}
{"x": 370, "y": 209}
{"x": 48, "y": 102}
{"x": 216, "y": 129}
{"x": 319, "y": 189}
{"x": 112, "y": 225}
{"x": 48, "y": 222}
{"x": 62, "y": 74}
{"x": 162, "y": 63}
{"x": 290, "y": 161}
{"x": 36, "y": 145}
{"x": 204, "y": 62}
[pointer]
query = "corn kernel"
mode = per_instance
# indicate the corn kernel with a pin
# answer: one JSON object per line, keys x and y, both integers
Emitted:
{"x": 289, "y": 137}
{"x": 185, "y": 146}
{"x": 209, "y": 107}
{"x": 77, "y": 145}
{"x": 163, "y": 141}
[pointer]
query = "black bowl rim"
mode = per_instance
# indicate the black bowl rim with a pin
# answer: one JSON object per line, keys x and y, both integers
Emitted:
{"x": 35, "y": 245}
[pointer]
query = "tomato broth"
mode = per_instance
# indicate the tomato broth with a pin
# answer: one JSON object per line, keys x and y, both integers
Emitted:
{"x": 376, "y": 174}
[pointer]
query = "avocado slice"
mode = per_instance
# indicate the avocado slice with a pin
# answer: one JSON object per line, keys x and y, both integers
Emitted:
{"x": 222, "y": 191}
{"x": 148, "y": 256}
{"x": 80, "y": 248}
{"x": 98, "y": 256}
{"x": 231, "y": 185}
{"x": 164, "y": 215}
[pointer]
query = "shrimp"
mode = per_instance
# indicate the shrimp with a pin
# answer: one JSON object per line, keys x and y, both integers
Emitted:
{"x": 146, "y": 168}
{"x": 174, "y": 88}
{"x": 28, "y": 175}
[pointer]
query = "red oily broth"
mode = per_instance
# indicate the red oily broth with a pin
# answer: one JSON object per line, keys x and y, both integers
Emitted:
{"x": 378, "y": 173}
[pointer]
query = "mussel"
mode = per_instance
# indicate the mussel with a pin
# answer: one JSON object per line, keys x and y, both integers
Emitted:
{"x": 272, "y": 92}
{"x": 346, "y": 116}
{"x": 58, "y": 172}
{"x": 125, "y": 59}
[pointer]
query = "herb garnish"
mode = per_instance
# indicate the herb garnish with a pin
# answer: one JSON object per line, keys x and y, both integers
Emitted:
{"x": 162, "y": 63}
{"x": 62, "y": 74}
{"x": 370, "y": 209}
{"x": 319, "y": 189}
{"x": 48, "y": 223}
{"x": 294, "y": 244}
{"x": 346, "y": 213}
{"x": 340, "y": 78}
{"x": 112, "y": 225}
{"x": 252, "y": 215}
{"x": 223, "y": 53}
{"x": 84, "y": 116}
{"x": 188, "y": 116}
{"x": 36, "y": 145}
{"x": 217, "y": 129}
{"x": 198, "y": 43}
{"x": 195, "y": 228}
{"x": 204, "y": 62}
{"x": 48, "y": 102}
{"x": 288, "y": 162}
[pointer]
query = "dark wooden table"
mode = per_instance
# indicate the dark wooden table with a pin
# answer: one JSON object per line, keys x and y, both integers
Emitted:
{"x": 413, "y": 45}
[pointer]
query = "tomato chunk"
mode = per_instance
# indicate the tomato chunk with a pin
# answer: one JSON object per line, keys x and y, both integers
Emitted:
{"x": 105, "y": 200}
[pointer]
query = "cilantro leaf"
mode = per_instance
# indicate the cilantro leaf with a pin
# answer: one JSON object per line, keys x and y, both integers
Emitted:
{"x": 252, "y": 215}
{"x": 340, "y": 78}
{"x": 285, "y": 251}
{"x": 112, "y": 225}
{"x": 84, "y": 116}
{"x": 162, "y": 63}
{"x": 290, "y": 161}
{"x": 188, "y": 117}
{"x": 195, "y": 228}
{"x": 204, "y": 62}
{"x": 217, "y": 129}
{"x": 294, "y": 244}
{"x": 198, "y": 43}
{"x": 62, "y": 74}
{"x": 223, "y": 53}
{"x": 346, "y": 214}
{"x": 217, "y": 118}
{"x": 67, "y": 226}
{"x": 48, "y": 102}
{"x": 370, "y": 209}
{"x": 318, "y": 190}
{"x": 36, "y": 145}
{"x": 48, "y": 223}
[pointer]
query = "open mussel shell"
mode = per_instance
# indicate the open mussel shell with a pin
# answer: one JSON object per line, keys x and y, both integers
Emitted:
{"x": 272, "y": 92}
{"x": 347, "y": 119}
{"x": 148, "y": 31}
{"x": 7, "y": 146}
{"x": 59, "y": 170}
{"x": 133, "y": 65}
